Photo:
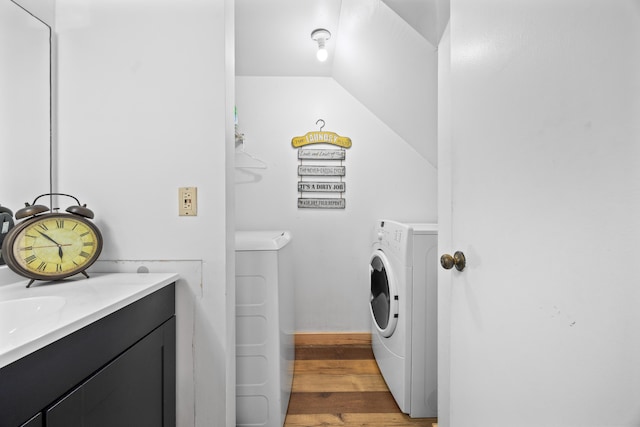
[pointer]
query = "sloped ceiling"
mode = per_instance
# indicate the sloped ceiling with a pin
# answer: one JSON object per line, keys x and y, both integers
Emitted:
{"x": 427, "y": 17}
{"x": 383, "y": 52}
{"x": 43, "y": 10}
{"x": 273, "y": 37}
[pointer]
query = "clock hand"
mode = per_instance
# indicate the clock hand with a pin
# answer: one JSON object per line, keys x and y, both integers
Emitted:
{"x": 59, "y": 245}
{"x": 44, "y": 246}
{"x": 48, "y": 238}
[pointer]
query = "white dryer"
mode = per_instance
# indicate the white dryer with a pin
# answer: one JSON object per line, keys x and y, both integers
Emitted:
{"x": 403, "y": 306}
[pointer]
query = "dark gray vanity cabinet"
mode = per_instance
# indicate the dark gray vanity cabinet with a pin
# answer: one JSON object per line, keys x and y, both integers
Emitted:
{"x": 128, "y": 391}
{"x": 118, "y": 371}
{"x": 36, "y": 421}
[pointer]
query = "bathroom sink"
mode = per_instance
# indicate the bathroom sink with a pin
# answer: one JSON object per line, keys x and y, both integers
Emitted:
{"x": 26, "y": 318}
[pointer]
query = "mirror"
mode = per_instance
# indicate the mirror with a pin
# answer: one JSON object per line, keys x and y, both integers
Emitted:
{"x": 25, "y": 125}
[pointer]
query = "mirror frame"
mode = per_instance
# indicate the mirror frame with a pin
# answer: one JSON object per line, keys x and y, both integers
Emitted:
{"x": 43, "y": 12}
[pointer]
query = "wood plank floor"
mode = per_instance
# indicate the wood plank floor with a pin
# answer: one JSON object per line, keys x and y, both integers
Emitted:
{"x": 337, "y": 382}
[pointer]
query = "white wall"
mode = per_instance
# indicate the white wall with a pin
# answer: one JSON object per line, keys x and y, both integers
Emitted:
{"x": 385, "y": 178}
{"x": 143, "y": 108}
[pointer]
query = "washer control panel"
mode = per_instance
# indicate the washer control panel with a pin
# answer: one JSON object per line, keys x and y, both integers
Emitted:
{"x": 392, "y": 236}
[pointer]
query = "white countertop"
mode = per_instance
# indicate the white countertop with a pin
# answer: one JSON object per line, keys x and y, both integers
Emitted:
{"x": 60, "y": 308}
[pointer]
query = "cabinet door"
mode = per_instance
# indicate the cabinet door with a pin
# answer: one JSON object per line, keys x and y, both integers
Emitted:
{"x": 36, "y": 421}
{"x": 132, "y": 390}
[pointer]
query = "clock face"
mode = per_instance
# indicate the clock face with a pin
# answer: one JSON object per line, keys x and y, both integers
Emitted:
{"x": 53, "y": 246}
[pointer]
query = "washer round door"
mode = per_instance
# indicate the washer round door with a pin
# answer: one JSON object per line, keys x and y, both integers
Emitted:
{"x": 383, "y": 301}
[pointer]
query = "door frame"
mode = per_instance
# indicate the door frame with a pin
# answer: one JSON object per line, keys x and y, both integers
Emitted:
{"x": 444, "y": 225}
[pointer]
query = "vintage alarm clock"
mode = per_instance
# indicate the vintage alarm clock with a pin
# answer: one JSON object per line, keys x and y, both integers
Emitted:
{"x": 51, "y": 245}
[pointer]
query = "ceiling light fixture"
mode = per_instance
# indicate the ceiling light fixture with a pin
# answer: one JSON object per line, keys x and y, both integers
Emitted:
{"x": 321, "y": 35}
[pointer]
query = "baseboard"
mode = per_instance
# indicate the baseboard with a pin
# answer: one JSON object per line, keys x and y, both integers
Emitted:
{"x": 332, "y": 338}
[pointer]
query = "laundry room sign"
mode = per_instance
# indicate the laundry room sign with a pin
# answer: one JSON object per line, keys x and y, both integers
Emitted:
{"x": 321, "y": 171}
{"x": 321, "y": 138}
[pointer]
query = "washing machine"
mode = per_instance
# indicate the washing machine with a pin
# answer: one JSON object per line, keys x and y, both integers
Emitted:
{"x": 403, "y": 306}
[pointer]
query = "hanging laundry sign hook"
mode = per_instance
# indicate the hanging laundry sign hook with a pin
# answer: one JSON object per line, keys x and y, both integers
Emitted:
{"x": 321, "y": 137}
